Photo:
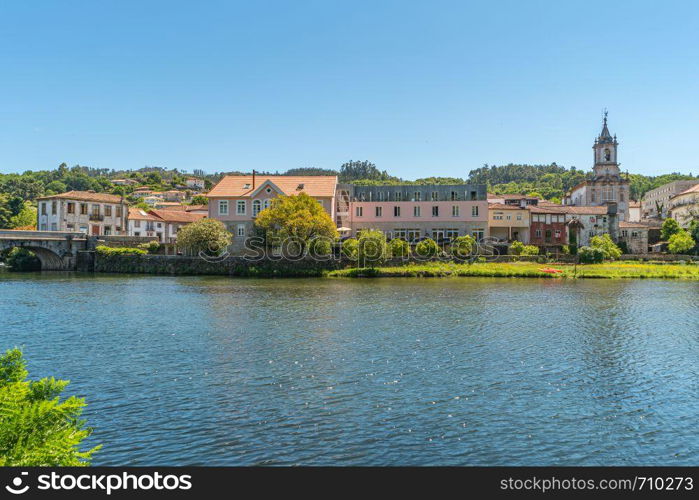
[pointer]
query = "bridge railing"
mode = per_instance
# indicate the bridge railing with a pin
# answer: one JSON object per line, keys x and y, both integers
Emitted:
{"x": 19, "y": 234}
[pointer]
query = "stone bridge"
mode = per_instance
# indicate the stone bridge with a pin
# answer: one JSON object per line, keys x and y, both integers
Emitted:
{"x": 57, "y": 251}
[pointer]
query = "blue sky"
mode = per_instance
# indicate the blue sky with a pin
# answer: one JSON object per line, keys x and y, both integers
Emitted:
{"x": 419, "y": 88}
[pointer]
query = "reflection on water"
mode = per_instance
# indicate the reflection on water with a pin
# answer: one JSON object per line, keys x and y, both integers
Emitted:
{"x": 218, "y": 371}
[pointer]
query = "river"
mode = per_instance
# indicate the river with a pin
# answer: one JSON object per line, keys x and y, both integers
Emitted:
{"x": 461, "y": 371}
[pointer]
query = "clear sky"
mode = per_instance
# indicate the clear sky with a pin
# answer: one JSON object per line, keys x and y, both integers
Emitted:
{"x": 419, "y": 88}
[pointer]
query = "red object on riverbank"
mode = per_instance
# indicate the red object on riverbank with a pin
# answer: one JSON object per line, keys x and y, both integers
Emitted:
{"x": 550, "y": 270}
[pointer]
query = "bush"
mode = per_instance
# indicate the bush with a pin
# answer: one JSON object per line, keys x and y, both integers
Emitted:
{"x": 565, "y": 249}
{"x": 371, "y": 248}
{"x": 669, "y": 228}
{"x": 399, "y": 248}
{"x": 108, "y": 251}
{"x": 530, "y": 250}
{"x": 427, "y": 248}
{"x": 318, "y": 247}
{"x": 37, "y": 428}
{"x": 591, "y": 255}
{"x": 462, "y": 246}
{"x": 205, "y": 235}
{"x": 349, "y": 248}
{"x": 608, "y": 247}
{"x": 681, "y": 242}
{"x": 516, "y": 248}
{"x": 150, "y": 247}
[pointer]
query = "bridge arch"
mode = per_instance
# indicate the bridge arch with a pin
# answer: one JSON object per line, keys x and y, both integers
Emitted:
{"x": 56, "y": 251}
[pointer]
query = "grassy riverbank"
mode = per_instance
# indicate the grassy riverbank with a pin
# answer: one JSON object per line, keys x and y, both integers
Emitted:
{"x": 610, "y": 270}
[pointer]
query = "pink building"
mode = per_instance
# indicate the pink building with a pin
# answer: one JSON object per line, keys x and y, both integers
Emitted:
{"x": 237, "y": 199}
{"x": 412, "y": 212}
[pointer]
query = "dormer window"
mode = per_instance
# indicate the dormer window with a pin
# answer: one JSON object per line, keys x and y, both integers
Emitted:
{"x": 299, "y": 187}
{"x": 246, "y": 186}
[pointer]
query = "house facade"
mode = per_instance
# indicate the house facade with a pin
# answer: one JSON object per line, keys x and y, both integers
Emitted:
{"x": 548, "y": 228}
{"x": 195, "y": 183}
{"x": 592, "y": 221}
{"x": 656, "y": 203}
{"x": 684, "y": 207}
{"x": 96, "y": 214}
{"x": 237, "y": 199}
{"x": 412, "y": 212}
{"x": 161, "y": 224}
{"x": 639, "y": 236}
{"x": 509, "y": 222}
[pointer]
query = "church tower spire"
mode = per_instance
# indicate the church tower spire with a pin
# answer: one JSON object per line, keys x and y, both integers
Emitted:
{"x": 605, "y": 151}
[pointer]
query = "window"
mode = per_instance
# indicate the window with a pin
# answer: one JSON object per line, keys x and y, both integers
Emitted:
{"x": 624, "y": 233}
{"x": 379, "y": 211}
{"x": 455, "y": 210}
{"x": 634, "y": 234}
{"x": 381, "y": 196}
{"x": 435, "y": 195}
{"x": 240, "y": 208}
{"x": 538, "y": 233}
{"x": 70, "y": 207}
{"x": 416, "y": 211}
{"x": 412, "y": 234}
{"x": 54, "y": 207}
{"x": 435, "y": 211}
{"x": 43, "y": 209}
{"x": 454, "y": 196}
{"x": 519, "y": 216}
{"x": 417, "y": 195}
{"x": 359, "y": 211}
{"x": 558, "y": 234}
{"x": 70, "y": 227}
{"x": 160, "y": 225}
{"x": 474, "y": 195}
{"x": 95, "y": 209}
{"x": 107, "y": 213}
{"x": 266, "y": 204}
{"x": 137, "y": 223}
{"x": 399, "y": 196}
{"x": 240, "y": 230}
{"x": 256, "y": 207}
{"x": 478, "y": 234}
{"x": 223, "y": 207}
{"x": 43, "y": 227}
{"x": 451, "y": 233}
{"x": 83, "y": 209}
{"x": 107, "y": 230}
{"x": 400, "y": 233}
{"x": 137, "y": 233}
{"x": 119, "y": 211}
{"x": 497, "y": 216}
{"x": 396, "y": 211}
{"x": 474, "y": 211}
{"x": 509, "y": 217}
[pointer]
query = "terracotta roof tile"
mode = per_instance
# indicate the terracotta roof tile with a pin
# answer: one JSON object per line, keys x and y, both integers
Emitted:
{"x": 177, "y": 216}
{"x": 313, "y": 185}
{"x": 138, "y": 214}
{"x": 85, "y": 196}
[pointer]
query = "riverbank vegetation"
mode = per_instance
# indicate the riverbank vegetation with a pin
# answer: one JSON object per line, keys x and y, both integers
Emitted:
{"x": 609, "y": 270}
{"x": 37, "y": 428}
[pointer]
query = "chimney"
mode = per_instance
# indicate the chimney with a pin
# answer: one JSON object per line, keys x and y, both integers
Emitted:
{"x": 253, "y": 179}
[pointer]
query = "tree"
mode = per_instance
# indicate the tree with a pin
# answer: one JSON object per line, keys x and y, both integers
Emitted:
{"x": 26, "y": 218}
{"x": 681, "y": 242}
{"x": 37, "y": 428}
{"x": 349, "y": 248}
{"x": 295, "y": 219}
{"x": 530, "y": 250}
{"x": 670, "y": 227}
{"x": 516, "y": 248}
{"x": 606, "y": 245}
{"x": 462, "y": 246}
{"x": 205, "y": 235}
{"x": 200, "y": 199}
{"x": 427, "y": 248}
{"x": 399, "y": 248}
{"x": 591, "y": 255}
{"x": 371, "y": 248}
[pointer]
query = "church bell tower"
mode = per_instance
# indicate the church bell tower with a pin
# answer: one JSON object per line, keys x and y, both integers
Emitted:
{"x": 605, "y": 149}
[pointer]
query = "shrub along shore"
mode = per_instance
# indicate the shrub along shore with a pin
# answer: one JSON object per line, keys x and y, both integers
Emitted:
{"x": 609, "y": 270}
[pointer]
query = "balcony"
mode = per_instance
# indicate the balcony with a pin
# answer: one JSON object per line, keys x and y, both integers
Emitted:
{"x": 96, "y": 217}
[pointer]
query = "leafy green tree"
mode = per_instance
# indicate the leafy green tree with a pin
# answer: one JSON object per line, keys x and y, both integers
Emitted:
{"x": 350, "y": 248}
{"x": 399, "y": 248}
{"x": 670, "y": 227}
{"x": 56, "y": 187}
{"x": 205, "y": 235}
{"x": 371, "y": 248}
{"x": 530, "y": 250}
{"x": 591, "y": 255}
{"x": 365, "y": 170}
{"x": 26, "y": 218}
{"x": 21, "y": 259}
{"x": 37, "y": 428}
{"x": 681, "y": 242}
{"x": 604, "y": 243}
{"x": 298, "y": 218}
{"x": 427, "y": 248}
{"x": 516, "y": 248}
{"x": 200, "y": 199}
{"x": 462, "y": 246}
